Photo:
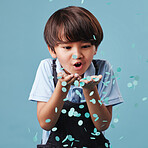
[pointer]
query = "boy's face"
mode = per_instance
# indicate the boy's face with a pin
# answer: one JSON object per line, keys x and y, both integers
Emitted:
{"x": 74, "y": 57}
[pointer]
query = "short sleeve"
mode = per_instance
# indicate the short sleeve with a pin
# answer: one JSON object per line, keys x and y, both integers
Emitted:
{"x": 109, "y": 90}
{"x": 42, "y": 88}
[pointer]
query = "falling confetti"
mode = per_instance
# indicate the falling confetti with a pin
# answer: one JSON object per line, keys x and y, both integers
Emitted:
{"x": 144, "y": 99}
{"x": 106, "y": 144}
{"x": 116, "y": 120}
{"x": 133, "y": 45}
{"x": 71, "y": 112}
{"x": 65, "y": 99}
{"x": 129, "y": 85}
{"x": 88, "y": 78}
{"x": 81, "y": 106}
{"x": 118, "y": 69}
{"x": 80, "y": 122}
{"x": 121, "y": 137}
{"x": 82, "y": 1}
{"x": 59, "y": 77}
{"x": 54, "y": 129}
{"x": 35, "y": 137}
{"x": 87, "y": 115}
{"x": 57, "y": 138}
{"x": 63, "y": 111}
{"x": 112, "y": 125}
{"x": 29, "y": 130}
{"x": 82, "y": 84}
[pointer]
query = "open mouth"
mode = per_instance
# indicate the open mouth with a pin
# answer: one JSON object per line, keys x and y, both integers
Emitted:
{"x": 77, "y": 64}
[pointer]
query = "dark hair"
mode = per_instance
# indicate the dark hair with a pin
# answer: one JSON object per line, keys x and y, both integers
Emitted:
{"x": 76, "y": 24}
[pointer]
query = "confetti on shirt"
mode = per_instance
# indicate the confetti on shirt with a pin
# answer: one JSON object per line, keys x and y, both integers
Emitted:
{"x": 81, "y": 106}
{"x": 82, "y": 84}
{"x": 78, "y": 93}
{"x": 76, "y": 83}
{"x": 106, "y": 144}
{"x": 71, "y": 112}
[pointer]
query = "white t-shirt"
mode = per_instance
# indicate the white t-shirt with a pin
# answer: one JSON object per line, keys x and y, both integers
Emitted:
{"x": 43, "y": 85}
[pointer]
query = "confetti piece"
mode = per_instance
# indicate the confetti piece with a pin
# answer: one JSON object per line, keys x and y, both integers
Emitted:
{"x": 121, "y": 137}
{"x": 74, "y": 56}
{"x": 50, "y": 0}
{"x": 59, "y": 77}
{"x": 51, "y": 77}
{"x": 94, "y": 37}
{"x": 133, "y": 45}
{"x": 78, "y": 93}
{"x": 100, "y": 102}
{"x": 54, "y": 129}
{"x": 104, "y": 92}
{"x": 75, "y": 113}
{"x": 81, "y": 106}
{"x": 29, "y": 130}
{"x": 82, "y": 84}
{"x": 65, "y": 99}
{"x": 35, "y": 137}
{"x": 97, "y": 133}
{"x": 71, "y": 144}
{"x": 92, "y": 138}
{"x": 135, "y": 82}
{"x": 131, "y": 76}
{"x": 96, "y": 118}
{"x": 88, "y": 78}
{"x": 108, "y": 73}
{"x": 78, "y": 115}
{"x": 87, "y": 115}
{"x": 95, "y": 130}
{"x": 93, "y": 101}
{"x": 116, "y": 120}
{"x": 65, "y": 139}
{"x": 70, "y": 138}
{"x": 65, "y": 145}
{"x": 106, "y": 144}
{"x": 108, "y": 3}
{"x": 64, "y": 89}
{"x": 64, "y": 83}
{"x": 91, "y": 93}
{"x": 63, "y": 111}
{"x": 118, "y": 69}
{"x": 97, "y": 79}
{"x": 71, "y": 112}
{"x": 144, "y": 99}
{"x": 57, "y": 138}
{"x": 85, "y": 129}
{"x": 82, "y": 1}
{"x": 56, "y": 109}
{"x": 47, "y": 120}
{"x": 112, "y": 125}
{"x": 84, "y": 78}
{"x": 95, "y": 115}
{"x": 80, "y": 122}
{"x": 106, "y": 100}
{"x": 129, "y": 85}
{"x": 137, "y": 78}
{"x": 62, "y": 68}
{"x": 104, "y": 121}
{"x": 76, "y": 83}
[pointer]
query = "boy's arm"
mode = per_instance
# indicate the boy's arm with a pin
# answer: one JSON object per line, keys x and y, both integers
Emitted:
{"x": 100, "y": 114}
{"x": 47, "y": 110}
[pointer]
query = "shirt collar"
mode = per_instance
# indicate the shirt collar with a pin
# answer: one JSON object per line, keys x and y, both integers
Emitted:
{"x": 89, "y": 72}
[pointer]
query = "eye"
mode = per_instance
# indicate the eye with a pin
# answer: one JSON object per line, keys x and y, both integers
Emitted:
{"x": 86, "y": 46}
{"x": 67, "y": 47}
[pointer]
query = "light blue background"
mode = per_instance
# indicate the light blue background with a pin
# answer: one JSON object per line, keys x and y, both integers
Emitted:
{"x": 22, "y": 46}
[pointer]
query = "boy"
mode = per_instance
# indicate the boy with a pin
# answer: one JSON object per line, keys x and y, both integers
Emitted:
{"x": 76, "y": 106}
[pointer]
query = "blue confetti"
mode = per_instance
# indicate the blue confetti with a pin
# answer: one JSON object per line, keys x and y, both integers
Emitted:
{"x": 80, "y": 122}
{"x": 91, "y": 93}
{"x": 76, "y": 83}
{"x": 64, "y": 89}
{"x": 54, "y": 129}
{"x": 47, "y": 120}
{"x": 35, "y": 137}
{"x": 64, "y": 83}
{"x": 87, "y": 115}
{"x": 81, "y": 106}
{"x": 74, "y": 56}
{"x": 63, "y": 111}
{"x": 57, "y": 138}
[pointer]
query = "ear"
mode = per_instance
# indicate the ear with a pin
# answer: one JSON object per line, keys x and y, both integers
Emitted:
{"x": 95, "y": 51}
{"x": 52, "y": 53}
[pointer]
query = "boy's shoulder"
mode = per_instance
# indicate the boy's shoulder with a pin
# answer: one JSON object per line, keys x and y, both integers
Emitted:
{"x": 98, "y": 62}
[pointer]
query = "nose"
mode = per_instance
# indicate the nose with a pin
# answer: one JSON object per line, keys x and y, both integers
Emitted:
{"x": 78, "y": 53}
